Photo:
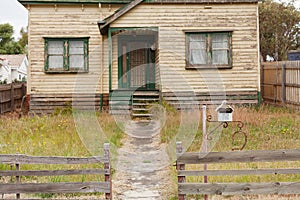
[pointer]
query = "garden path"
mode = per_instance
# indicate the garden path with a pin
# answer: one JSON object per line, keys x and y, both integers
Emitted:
{"x": 142, "y": 169}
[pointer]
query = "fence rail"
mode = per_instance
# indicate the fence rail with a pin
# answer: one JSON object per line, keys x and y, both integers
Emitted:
{"x": 11, "y": 96}
{"x": 280, "y": 82}
{"x": 60, "y": 187}
{"x": 248, "y": 188}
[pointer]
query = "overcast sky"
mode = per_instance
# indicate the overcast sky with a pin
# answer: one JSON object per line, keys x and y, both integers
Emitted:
{"x": 11, "y": 11}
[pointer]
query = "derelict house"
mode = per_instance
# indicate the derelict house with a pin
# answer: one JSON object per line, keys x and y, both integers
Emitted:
{"x": 98, "y": 53}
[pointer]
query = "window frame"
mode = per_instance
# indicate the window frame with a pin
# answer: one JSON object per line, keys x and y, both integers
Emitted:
{"x": 209, "y": 50}
{"x": 66, "y": 56}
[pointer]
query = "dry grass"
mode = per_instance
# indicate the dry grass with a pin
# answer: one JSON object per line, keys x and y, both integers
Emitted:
{"x": 51, "y": 135}
{"x": 267, "y": 127}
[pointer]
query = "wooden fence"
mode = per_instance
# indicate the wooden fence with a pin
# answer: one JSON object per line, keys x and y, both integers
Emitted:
{"x": 61, "y": 187}
{"x": 185, "y": 188}
{"x": 280, "y": 82}
{"x": 11, "y": 96}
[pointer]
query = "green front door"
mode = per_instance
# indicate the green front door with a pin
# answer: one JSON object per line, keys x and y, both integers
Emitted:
{"x": 136, "y": 62}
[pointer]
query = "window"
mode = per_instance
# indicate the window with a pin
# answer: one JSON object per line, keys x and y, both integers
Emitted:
{"x": 207, "y": 50}
{"x": 66, "y": 55}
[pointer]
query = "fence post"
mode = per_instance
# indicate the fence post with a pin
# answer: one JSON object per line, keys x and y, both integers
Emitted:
{"x": 23, "y": 90}
{"x": 12, "y": 98}
{"x": 181, "y": 179}
{"x": 283, "y": 83}
{"x": 107, "y": 166}
{"x": 262, "y": 84}
{"x": 18, "y": 180}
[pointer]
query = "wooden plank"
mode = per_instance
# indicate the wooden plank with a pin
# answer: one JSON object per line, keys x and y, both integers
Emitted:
{"x": 52, "y": 172}
{"x": 239, "y": 188}
{"x": 107, "y": 177}
{"x": 12, "y": 98}
{"x": 55, "y": 187}
{"x": 238, "y": 172}
{"x": 24, "y": 159}
{"x": 181, "y": 179}
{"x": 18, "y": 180}
{"x": 240, "y": 156}
{"x": 282, "y": 83}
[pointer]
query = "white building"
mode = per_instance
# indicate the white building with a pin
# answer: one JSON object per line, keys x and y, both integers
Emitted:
{"x": 13, "y": 68}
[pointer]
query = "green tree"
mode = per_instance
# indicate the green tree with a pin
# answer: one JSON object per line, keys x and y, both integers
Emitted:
{"x": 23, "y": 41}
{"x": 279, "y": 29}
{"x": 7, "y": 43}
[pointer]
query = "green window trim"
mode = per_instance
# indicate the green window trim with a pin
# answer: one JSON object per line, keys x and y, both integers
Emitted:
{"x": 66, "y": 56}
{"x": 209, "y": 50}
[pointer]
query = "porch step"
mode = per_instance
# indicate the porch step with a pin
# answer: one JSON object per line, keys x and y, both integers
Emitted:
{"x": 136, "y": 103}
{"x": 120, "y": 102}
{"x": 141, "y": 109}
{"x": 141, "y": 115}
{"x": 142, "y": 102}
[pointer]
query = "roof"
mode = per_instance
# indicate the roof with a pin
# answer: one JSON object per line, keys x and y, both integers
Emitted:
{"x": 128, "y": 1}
{"x": 71, "y": 1}
{"x": 13, "y": 60}
{"x": 294, "y": 51}
{"x": 118, "y": 14}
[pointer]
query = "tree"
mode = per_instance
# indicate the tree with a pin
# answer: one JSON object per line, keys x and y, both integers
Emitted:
{"x": 7, "y": 43}
{"x": 279, "y": 29}
{"x": 23, "y": 41}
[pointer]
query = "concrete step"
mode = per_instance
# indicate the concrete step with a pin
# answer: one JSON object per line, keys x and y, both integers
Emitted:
{"x": 119, "y": 112}
{"x": 141, "y": 115}
{"x": 140, "y": 109}
{"x": 146, "y": 93}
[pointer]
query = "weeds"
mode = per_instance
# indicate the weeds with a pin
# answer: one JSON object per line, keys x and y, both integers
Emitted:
{"x": 267, "y": 127}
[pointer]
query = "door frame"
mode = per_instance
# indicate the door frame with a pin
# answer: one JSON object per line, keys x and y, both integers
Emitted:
{"x": 150, "y": 57}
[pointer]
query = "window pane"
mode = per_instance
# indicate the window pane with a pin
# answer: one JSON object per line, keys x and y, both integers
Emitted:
{"x": 220, "y": 49}
{"x": 220, "y": 57}
{"x": 55, "y": 47}
{"x": 197, "y": 54}
{"x": 198, "y": 57}
{"x": 56, "y": 62}
{"x": 197, "y": 37}
{"x": 220, "y": 41}
{"x": 77, "y": 61}
{"x": 76, "y": 47}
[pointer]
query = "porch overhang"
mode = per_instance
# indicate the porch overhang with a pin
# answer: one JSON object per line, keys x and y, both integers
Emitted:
{"x": 104, "y": 25}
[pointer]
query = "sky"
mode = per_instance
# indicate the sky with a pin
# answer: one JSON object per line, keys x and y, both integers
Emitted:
{"x": 11, "y": 11}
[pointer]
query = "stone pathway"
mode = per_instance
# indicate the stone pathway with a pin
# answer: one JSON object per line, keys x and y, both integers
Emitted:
{"x": 142, "y": 168}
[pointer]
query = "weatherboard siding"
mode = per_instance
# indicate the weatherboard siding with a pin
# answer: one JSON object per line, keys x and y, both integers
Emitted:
{"x": 173, "y": 19}
{"x": 66, "y": 21}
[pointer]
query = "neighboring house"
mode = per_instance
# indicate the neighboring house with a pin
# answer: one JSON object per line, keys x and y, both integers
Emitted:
{"x": 13, "y": 68}
{"x": 4, "y": 70}
{"x": 294, "y": 55}
{"x": 186, "y": 50}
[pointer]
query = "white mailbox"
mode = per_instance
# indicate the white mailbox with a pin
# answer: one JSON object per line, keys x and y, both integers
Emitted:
{"x": 224, "y": 112}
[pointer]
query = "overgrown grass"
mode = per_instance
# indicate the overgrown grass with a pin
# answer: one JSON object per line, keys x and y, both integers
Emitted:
{"x": 267, "y": 128}
{"x": 52, "y": 135}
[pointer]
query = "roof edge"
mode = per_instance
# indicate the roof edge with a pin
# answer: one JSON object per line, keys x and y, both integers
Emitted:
{"x": 26, "y": 2}
{"x": 118, "y": 14}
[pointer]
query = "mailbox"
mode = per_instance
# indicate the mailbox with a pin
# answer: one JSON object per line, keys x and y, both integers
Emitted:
{"x": 224, "y": 112}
